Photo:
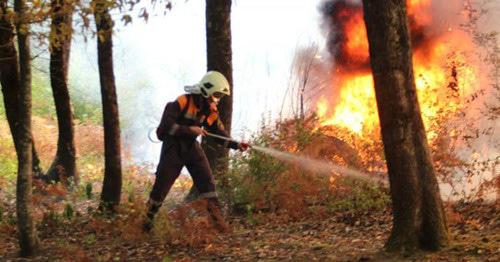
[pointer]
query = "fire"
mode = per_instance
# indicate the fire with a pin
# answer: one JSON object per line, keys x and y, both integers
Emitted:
{"x": 420, "y": 9}
{"x": 356, "y": 44}
{"x": 443, "y": 74}
{"x": 354, "y": 110}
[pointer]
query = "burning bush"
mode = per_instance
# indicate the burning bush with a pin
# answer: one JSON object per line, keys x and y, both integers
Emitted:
{"x": 456, "y": 76}
{"x": 260, "y": 183}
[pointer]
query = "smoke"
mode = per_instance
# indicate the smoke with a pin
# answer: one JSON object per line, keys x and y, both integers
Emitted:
{"x": 448, "y": 37}
{"x": 427, "y": 20}
{"x": 338, "y": 16}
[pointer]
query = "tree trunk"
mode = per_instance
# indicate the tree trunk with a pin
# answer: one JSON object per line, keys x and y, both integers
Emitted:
{"x": 111, "y": 188}
{"x": 35, "y": 165}
{"x": 9, "y": 78}
{"x": 64, "y": 164}
{"x": 419, "y": 219}
{"x": 219, "y": 58}
{"x": 9, "y": 73}
{"x": 28, "y": 241}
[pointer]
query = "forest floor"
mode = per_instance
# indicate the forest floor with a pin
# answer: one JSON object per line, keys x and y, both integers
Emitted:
{"x": 78, "y": 233}
{"x": 70, "y": 229}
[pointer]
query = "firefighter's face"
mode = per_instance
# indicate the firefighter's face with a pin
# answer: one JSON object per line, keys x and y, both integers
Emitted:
{"x": 215, "y": 98}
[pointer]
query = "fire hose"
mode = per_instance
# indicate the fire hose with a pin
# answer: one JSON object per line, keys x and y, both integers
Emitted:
{"x": 229, "y": 139}
{"x": 150, "y": 137}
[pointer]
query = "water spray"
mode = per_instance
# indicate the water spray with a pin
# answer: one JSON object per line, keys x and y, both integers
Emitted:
{"x": 315, "y": 166}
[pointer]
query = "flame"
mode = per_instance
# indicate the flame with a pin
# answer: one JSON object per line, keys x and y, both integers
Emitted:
{"x": 353, "y": 112}
{"x": 322, "y": 107}
{"x": 420, "y": 9}
{"x": 356, "y": 45}
{"x": 442, "y": 70}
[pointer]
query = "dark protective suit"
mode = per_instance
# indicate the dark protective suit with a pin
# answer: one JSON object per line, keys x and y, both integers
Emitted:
{"x": 180, "y": 147}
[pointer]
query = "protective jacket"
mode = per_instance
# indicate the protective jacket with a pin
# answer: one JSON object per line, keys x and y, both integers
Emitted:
{"x": 190, "y": 110}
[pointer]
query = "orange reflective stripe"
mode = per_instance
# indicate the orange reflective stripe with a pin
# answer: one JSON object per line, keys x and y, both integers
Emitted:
{"x": 212, "y": 118}
{"x": 187, "y": 107}
{"x": 182, "y": 100}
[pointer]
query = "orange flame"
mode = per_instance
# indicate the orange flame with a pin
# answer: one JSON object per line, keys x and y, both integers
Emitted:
{"x": 419, "y": 9}
{"x": 441, "y": 69}
{"x": 356, "y": 44}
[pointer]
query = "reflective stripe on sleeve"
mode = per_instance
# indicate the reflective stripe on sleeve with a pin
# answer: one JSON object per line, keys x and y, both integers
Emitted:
{"x": 174, "y": 129}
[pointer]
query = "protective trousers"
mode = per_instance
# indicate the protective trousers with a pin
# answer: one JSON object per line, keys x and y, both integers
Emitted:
{"x": 174, "y": 156}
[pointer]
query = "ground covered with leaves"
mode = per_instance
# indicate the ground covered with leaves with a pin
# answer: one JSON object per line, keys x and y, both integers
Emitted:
{"x": 184, "y": 232}
{"x": 276, "y": 211}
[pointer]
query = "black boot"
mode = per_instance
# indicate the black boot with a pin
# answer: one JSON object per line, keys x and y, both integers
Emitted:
{"x": 152, "y": 209}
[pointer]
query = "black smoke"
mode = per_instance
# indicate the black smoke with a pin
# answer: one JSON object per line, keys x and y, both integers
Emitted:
{"x": 337, "y": 14}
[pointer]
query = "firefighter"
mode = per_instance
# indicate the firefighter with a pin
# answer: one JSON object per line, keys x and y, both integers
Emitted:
{"x": 189, "y": 116}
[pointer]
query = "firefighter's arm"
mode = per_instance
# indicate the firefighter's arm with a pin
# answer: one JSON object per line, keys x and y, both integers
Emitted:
{"x": 169, "y": 126}
{"x": 216, "y": 127}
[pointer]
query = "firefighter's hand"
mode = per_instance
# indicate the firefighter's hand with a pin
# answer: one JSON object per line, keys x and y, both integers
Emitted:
{"x": 243, "y": 146}
{"x": 197, "y": 131}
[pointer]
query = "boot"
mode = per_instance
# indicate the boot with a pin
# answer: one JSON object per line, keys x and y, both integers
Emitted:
{"x": 152, "y": 209}
{"x": 215, "y": 210}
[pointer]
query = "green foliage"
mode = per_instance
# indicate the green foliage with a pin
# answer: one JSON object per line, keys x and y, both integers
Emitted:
{"x": 248, "y": 178}
{"x": 2, "y": 108}
{"x": 167, "y": 259}
{"x": 250, "y": 215}
{"x": 303, "y": 134}
{"x": 91, "y": 168}
{"x": 51, "y": 219}
{"x": 89, "y": 239}
{"x": 68, "y": 212}
{"x": 262, "y": 166}
{"x": 355, "y": 195}
{"x": 8, "y": 166}
{"x": 85, "y": 109}
{"x": 8, "y": 160}
{"x": 11, "y": 219}
{"x": 42, "y": 99}
{"x": 88, "y": 190}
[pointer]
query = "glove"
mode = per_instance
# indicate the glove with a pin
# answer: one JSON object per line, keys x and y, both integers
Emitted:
{"x": 243, "y": 146}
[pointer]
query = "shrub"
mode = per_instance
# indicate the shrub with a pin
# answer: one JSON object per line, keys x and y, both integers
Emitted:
{"x": 261, "y": 183}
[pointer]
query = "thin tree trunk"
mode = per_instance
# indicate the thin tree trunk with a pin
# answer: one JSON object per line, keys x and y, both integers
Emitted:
{"x": 64, "y": 165}
{"x": 419, "y": 220}
{"x": 28, "y": 241}
{"x": 219, "y": 58}
{"x": 111, "y": 188}
{"x": 9, "y": 78}
{"x": 9, "y": 73}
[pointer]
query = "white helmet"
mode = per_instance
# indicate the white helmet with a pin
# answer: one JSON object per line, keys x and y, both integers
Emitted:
{"x": 214, "y": 82}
